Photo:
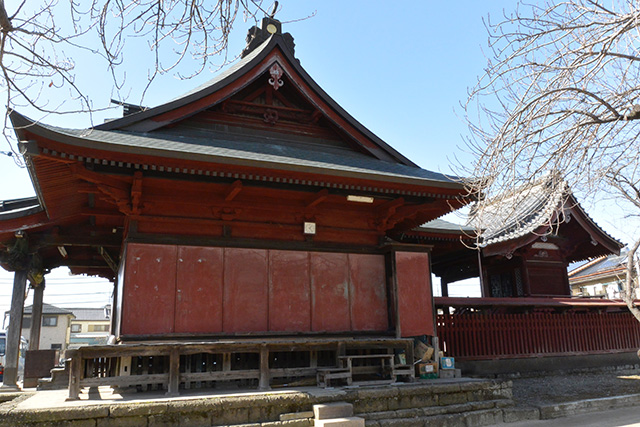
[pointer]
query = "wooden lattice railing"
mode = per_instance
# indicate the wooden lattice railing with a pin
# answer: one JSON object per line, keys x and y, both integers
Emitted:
{"x": 493, "y": 336}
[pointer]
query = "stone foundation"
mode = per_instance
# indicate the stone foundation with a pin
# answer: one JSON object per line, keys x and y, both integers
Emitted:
{"x": 482, "y": 399}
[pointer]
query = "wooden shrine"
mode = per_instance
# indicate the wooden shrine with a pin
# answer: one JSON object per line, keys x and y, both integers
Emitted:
{"x": 251, "y": 209}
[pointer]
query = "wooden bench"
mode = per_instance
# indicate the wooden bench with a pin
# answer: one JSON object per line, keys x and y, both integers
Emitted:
{"x": 325, "y": 375}
{"x": 385, "y": 367}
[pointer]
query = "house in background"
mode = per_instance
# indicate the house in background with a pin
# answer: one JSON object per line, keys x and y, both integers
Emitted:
{"x": 91, "y": 326}
{"x": 601, "y": 277}
{"x": 56, "y": 323}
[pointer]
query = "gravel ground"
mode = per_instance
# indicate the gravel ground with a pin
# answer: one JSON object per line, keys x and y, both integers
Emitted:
{"x": 575, "y": 386}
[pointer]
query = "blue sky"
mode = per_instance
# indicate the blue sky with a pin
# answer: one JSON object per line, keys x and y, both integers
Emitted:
{"x": 401, "y": 68}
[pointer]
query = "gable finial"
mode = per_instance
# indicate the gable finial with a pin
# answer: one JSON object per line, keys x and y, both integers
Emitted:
{"x": 268, "y": 27}
{"x": 274, "y": 10}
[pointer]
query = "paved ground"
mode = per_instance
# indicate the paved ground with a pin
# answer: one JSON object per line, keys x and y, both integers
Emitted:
{"x": 544, "y": 390}
{"x": 620, "y": 417}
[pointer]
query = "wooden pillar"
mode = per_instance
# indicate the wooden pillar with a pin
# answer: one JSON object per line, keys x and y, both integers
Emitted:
{"x": 75, "y": 374}
{"x": 174, "y": 372}
{"x": 36, "y": 317}
{"x": 264, "y": 368}
{"x": 444, "y": 287}
{"x": 15, "y": 326}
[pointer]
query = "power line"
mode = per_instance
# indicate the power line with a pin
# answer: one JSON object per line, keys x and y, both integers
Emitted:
{"x": 67, "y": 295}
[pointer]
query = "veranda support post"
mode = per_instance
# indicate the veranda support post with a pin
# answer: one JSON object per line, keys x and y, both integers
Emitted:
{"x": 15, "y": 326}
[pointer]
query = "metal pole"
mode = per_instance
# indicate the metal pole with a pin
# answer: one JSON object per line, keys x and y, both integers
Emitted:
{"x": 15, "y": 326}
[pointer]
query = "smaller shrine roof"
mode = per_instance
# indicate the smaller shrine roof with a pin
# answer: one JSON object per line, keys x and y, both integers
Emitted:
{"x": 511, "y": 216}
{"x": 539, "y": 207}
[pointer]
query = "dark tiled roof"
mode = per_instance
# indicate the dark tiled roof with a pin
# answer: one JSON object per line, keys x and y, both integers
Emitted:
{"x": 524, "y": 210}
{"x": 83, "y": 314}
{"x": 520, "y": 213}
{"x": 190, "y": 96}
{"x": 142, "y": 121}
{"x": 48, "y": 309}
{"x": 601, "y": 265}
{"x": 17, "y": 208}
{"x": 267, "y": 153}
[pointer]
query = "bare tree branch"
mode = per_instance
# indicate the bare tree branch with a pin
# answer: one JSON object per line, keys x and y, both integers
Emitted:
{"x": 560, "y": 95}
{"x": 39, "y": 38}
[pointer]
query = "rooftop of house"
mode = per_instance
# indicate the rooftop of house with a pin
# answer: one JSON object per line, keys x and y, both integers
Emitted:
{"x": 92, "y": 314}
{"x": 48, "y": 309}
{"x": 612, "y": 264}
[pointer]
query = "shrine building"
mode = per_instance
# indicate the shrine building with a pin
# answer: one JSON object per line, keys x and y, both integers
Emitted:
{"x": 253, "y": 216}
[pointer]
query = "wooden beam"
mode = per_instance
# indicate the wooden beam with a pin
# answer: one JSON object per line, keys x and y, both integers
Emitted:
{"x": 110, "y": 262}
{"x": 76, "y": 263}
{"x": 101, "y": 213}
{"x": 317, "y": 198}
{"x": 136, "y": 192}
{"x": 233, "y": 191}
{"x": 102, "y": 240}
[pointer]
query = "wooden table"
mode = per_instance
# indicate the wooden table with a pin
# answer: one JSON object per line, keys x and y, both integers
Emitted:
{"x": 386, "y": 366}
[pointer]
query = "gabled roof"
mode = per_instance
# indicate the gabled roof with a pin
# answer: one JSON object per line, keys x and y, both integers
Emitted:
{"x": 271, "y": 154}
{"x": 238, "y": 76}
{"x": 48, "y": 309}
{"x": 85, "y": 314}
{"x": 535, "y": 210}
{"x": 520, "y": 213}
{"x": 612, "y": 265}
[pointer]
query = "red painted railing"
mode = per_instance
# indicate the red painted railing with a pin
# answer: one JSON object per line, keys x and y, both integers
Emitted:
{"x": 494, "y": 336}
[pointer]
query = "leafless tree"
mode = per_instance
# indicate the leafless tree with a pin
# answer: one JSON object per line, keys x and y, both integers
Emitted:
{"x": 561, "y": 95}
{"x": 39, "y": 40}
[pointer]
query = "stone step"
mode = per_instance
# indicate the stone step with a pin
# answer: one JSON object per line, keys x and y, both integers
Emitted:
{"x": 291, "y": 416}
{"x": 430, "y": 411}
{"x": 486, "y": 417}
{"x": 340, "y": 422}
{"x": 327, "y": 411}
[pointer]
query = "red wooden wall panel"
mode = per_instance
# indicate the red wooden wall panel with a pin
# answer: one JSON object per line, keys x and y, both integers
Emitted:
{"x": 149, "y": 290}
{"x": 245, "y": 290}
{"x": 415, "y": 304}
{"x": 289, "y": 293}
{"x": 329, "y": 292}
{"x": 190, "y": 289}
{"x": 548, "y": 279}
{"x": 368, "y": 292}
{"x": 199, "y": 290}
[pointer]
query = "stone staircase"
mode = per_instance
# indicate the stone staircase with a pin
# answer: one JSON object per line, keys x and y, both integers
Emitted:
{"x": 461, "y": 402}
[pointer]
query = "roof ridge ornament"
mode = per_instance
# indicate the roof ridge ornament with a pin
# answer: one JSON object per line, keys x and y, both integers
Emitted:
{"x": 276, "y": 76}
{"x": 268, "y": 27}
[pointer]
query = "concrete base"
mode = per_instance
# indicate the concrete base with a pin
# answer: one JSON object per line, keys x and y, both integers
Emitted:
{"x": 327, "y": 411}
{"x": 529, "y": 365}
{"x": 450, "y": 373}
{"x": 340, "y": 422}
